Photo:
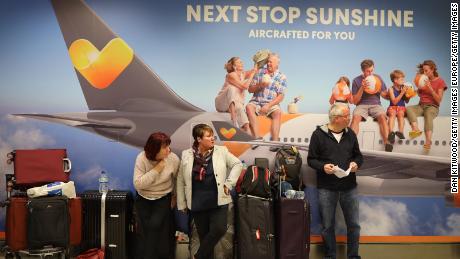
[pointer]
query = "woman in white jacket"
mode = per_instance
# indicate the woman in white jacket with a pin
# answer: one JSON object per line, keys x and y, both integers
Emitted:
{"x": 206, "y": 175}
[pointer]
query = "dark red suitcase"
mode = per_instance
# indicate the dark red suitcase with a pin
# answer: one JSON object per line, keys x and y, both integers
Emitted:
{"x": 76, "y": 218}
{"x": 292, "y": 228}
{"x": 37, "y": 167}
{"x": 16, "y": 224}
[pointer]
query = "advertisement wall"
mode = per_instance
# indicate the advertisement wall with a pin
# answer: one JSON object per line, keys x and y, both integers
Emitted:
{"x": 187, "y": 43}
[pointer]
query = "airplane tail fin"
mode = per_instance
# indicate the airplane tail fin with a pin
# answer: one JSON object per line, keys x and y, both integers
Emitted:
{"x": 111, "y": 76}
{"x": 227, "y": 132}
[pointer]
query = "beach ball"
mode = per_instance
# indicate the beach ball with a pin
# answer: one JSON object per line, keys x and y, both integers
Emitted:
{"x": 410, "y": 92}
{"x": 341, "y": 91}
{"x": 374, "y": 84}
{"x": 421, "y": 80}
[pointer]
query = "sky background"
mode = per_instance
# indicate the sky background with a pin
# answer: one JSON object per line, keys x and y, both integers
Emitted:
{"x": 37, "y": 76}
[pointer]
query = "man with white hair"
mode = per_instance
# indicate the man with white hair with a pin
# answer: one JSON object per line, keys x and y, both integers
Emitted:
{"x": 268, "y": 88}
{"x": 334, "y": 147}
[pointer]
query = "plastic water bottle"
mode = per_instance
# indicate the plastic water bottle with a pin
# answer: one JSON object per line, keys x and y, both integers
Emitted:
{"x": 245, "y": 166}
{"x": 53, "y": 189}
{"x": 103, "y": 182}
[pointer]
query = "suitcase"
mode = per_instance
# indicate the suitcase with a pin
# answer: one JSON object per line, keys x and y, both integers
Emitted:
{"x": 48, "y": 222}
{"x": 75, "y": 211}
{"x": 292, "y": 228}
{"x": 37, "y": 167}
{"x": 255, "y": 228}
{"x": 115, "y": 208}
{"x": 16, "y": 224}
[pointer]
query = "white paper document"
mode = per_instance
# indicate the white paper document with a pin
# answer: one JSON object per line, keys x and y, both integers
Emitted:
{"x": 340, "y": 173}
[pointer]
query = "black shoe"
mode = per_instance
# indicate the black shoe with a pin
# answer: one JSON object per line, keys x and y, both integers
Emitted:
{"x": 388, "y": 147}
{"x": 391, "y": 137}
{"x": 400, "y": 135}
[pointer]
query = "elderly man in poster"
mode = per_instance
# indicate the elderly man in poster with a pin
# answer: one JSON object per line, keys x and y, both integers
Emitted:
{"x": 268, "y": 88}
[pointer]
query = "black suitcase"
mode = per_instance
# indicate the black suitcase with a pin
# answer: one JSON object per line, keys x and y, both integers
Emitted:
{"x": 48, "y": 222}
{"x": 116, "y": 229}
{"x": 255, "y": 228}
{"x": 292, "y": 228}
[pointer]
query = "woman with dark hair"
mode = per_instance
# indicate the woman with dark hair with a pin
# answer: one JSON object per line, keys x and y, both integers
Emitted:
{"x": 430, "y": 99}
{"x": 155, "y": 174}
{"x": 203, "y": 187}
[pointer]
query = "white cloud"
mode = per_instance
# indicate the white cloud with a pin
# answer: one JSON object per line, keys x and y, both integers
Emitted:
{"x": 383, "y": 217}
{"x": 452, "y": 226}
{"x": 17, "y": 136}
{"x": 14, "y": 119}
{"x": 29, "y": 139}
{"x": 19, "y": 133}
{"x": 90, "y": 177}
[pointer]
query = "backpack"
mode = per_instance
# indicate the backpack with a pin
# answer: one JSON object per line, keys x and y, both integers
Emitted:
{"x": 288, "y": 163}
{"x": 254, "y": 181}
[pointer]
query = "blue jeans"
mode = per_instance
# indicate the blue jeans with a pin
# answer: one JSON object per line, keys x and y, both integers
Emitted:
{"x": 350, "y": 206}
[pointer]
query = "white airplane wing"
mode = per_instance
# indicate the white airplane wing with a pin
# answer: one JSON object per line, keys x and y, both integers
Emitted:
{"x": 79, "y": 120}
{"x": 390, "y": 165}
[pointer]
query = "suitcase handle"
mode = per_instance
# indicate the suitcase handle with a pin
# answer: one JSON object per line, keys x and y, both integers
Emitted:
{"x": 67, "y": 165}
{"x": 10, "y": 158}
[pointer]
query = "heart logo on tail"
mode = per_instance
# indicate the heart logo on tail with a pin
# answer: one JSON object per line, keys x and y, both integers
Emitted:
{"x": 100, "y": 68}
{"x": 228, "y": 133}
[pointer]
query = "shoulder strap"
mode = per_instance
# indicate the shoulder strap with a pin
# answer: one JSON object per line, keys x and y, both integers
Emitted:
{"x": 240, "y": 180}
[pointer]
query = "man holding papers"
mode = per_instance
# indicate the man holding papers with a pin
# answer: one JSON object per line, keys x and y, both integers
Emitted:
{"x": 334, "y": 154}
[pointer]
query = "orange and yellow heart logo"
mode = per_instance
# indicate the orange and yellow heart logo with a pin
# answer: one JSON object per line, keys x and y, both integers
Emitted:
{"x": 100, "y": 68}
{"x": 228, "y": 134}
